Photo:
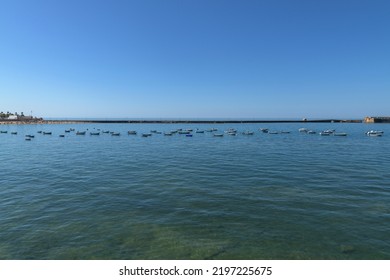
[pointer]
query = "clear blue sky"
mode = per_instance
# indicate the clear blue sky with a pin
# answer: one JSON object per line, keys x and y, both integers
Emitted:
{"x": 195, "y": 58}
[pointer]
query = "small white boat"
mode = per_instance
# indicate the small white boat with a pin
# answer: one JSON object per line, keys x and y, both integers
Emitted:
{"x": 325, "y": 133}
{"x": 231, "y": 130}
{"x": 330, "y": 131}
{"x": 168, "y": 134}
{"x": 374, "y": 133}
{"x": 115, "y": 134}
{"x": 311, "y": 132}
{"x": 264, "y": 130}
{"x": 231, "y": 133}
{"x": 248, "y": 133}
{"x": 132, "y": 132}
{"x": 304, "y": 130}
{"x": 80, "y": 133}
{"x": 340, "y": 134}
{"x": 184, "y": 132}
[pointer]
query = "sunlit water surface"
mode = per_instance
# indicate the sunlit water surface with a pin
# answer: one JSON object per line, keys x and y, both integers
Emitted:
{"x": 266, "y": 196}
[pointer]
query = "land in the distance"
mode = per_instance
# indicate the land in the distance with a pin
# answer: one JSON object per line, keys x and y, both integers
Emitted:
{"x": 15, "y": 118}
{"x": 166, "y": 121}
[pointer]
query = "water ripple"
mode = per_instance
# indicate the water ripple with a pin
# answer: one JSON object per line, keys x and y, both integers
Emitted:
{"x": 289, "y": 196}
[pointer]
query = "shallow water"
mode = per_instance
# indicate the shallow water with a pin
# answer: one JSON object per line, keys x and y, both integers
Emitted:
{"x": 283, "y": 196}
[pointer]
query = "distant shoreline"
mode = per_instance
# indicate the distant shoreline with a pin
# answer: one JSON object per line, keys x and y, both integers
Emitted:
{"x": 167, "y": 121}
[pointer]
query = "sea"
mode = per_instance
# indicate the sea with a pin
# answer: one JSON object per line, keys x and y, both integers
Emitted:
{"x": 264, "y": 196}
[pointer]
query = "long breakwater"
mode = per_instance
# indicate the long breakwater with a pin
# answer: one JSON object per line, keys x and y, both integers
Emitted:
{"x": 174, "y": 121}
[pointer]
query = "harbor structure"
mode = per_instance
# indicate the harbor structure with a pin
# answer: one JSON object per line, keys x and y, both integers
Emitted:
{"x": 377, "y": 119}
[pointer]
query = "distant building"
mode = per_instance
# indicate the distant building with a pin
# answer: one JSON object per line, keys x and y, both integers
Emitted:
{"x": 24, "y": 118}
{"x": 377, "y": 119}
{"x": 12, "y": 118}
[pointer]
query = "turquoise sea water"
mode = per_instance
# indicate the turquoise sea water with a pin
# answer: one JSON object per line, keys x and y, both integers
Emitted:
{"x": 266, "y": 196}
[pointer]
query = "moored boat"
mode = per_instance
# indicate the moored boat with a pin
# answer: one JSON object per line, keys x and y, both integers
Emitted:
{"x": 80, "y": 132}
{"x": 325, "y": 133}
{"x": 374, "y": 133}
{"x": 184, "y": 132}
{"x": 231, "y": 130}
{"x": 330, "y": 131}
{"x": 146, "y": 134}
{"x": 248, "y": 133}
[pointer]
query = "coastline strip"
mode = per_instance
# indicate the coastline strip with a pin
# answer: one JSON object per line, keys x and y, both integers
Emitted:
{"x": 6, "y": 122}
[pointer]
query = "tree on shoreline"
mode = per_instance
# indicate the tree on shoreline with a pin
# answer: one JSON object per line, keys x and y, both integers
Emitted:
{"x": 8, "y": 114}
